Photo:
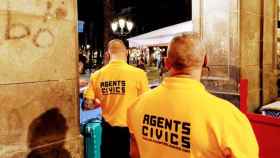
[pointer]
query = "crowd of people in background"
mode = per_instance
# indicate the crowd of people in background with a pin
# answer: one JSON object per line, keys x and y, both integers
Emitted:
{"x": 88, "y": 61}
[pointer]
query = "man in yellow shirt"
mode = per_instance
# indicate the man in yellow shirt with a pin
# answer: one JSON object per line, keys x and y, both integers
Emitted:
{"x": 180, "y": 119}
{"x": 115, "y": 87}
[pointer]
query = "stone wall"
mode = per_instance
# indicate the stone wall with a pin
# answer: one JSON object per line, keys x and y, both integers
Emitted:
{"x": 250, "y": 27}
{"x": 257, "y": 49}
{"x": 270, "y": 91}
{"x": 38, "y": 79}
{"x": 219, "y": 27}
{"x": 240, "y": 40}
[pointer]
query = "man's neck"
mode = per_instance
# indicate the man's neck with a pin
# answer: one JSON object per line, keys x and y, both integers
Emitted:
{"x": 194, "y": 74}
{"x": 117, "y": 57}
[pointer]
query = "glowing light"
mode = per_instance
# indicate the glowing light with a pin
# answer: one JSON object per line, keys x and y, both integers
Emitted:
{"x": 114, "y": 26}
{"x": 121, "y": 23}
{"x": 129, "y": 25}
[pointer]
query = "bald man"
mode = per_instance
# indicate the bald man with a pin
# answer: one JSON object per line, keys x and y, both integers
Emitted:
{"x": 181, "y": 119}
{"x": 114, "y": 87}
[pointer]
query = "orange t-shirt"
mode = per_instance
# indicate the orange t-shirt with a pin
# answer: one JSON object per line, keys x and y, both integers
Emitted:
{"x": 116, "y": 85}
{"x": 180, "y": 119}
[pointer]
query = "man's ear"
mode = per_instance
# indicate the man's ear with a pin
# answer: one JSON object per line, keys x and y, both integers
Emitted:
{"x": 167, "y": 63}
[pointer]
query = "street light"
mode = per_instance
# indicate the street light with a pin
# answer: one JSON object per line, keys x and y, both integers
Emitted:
{"x": 122, "y": 27}
{"x": 129, "y": 25}
{"x": 114, "y": 26}
{"x": 87, "y": 46}
{"x": 122, "y": 23}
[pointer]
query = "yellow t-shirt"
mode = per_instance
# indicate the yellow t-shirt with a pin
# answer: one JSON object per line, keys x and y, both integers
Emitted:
{"x": 116, "y": 85}
{"x": 180, "y": 119}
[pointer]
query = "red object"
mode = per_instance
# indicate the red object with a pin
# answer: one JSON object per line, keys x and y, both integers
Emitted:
{"x": 205, "y": 63}
{"x": 243, "y": 95}
{"x": 266, "y": 128}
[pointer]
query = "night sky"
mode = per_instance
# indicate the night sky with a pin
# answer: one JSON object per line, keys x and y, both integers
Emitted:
{"x": 148, "y": 15}
{"x": 155, "y": 14}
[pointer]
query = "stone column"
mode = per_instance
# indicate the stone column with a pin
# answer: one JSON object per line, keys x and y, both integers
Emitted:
{"x": 257, "y": 49}
{"x": 250, "y": 45}
{"x": 270, "y": 50}
{"x": 38, "y": 79}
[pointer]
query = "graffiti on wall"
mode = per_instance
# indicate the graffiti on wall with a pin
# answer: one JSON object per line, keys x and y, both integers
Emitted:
{"x": 30, "y": 32}
{"x": 41, "y": 37}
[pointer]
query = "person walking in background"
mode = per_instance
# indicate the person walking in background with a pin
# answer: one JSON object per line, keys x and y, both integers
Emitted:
{"x": 141, "y": 64}
{"x": 114, "y": 87}
{"x": 82, "y": 63}
{"x": 181, "y": 119}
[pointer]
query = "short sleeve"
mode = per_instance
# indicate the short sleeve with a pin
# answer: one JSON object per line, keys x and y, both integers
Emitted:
{"x": 238, "y": 136}
{"x": 90, "y": 91}
{"x": 143, "y": 85}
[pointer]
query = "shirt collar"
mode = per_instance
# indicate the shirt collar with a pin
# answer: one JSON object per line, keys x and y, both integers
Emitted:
{"x": 182, "y": 83}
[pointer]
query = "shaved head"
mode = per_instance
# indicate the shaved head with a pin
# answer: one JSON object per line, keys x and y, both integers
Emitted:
{"x": 185, "y": 52}
{"x": 116, "y": 46}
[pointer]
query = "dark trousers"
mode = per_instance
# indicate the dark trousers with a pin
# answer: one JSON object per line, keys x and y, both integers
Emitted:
{"x": 115, "y": 141}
